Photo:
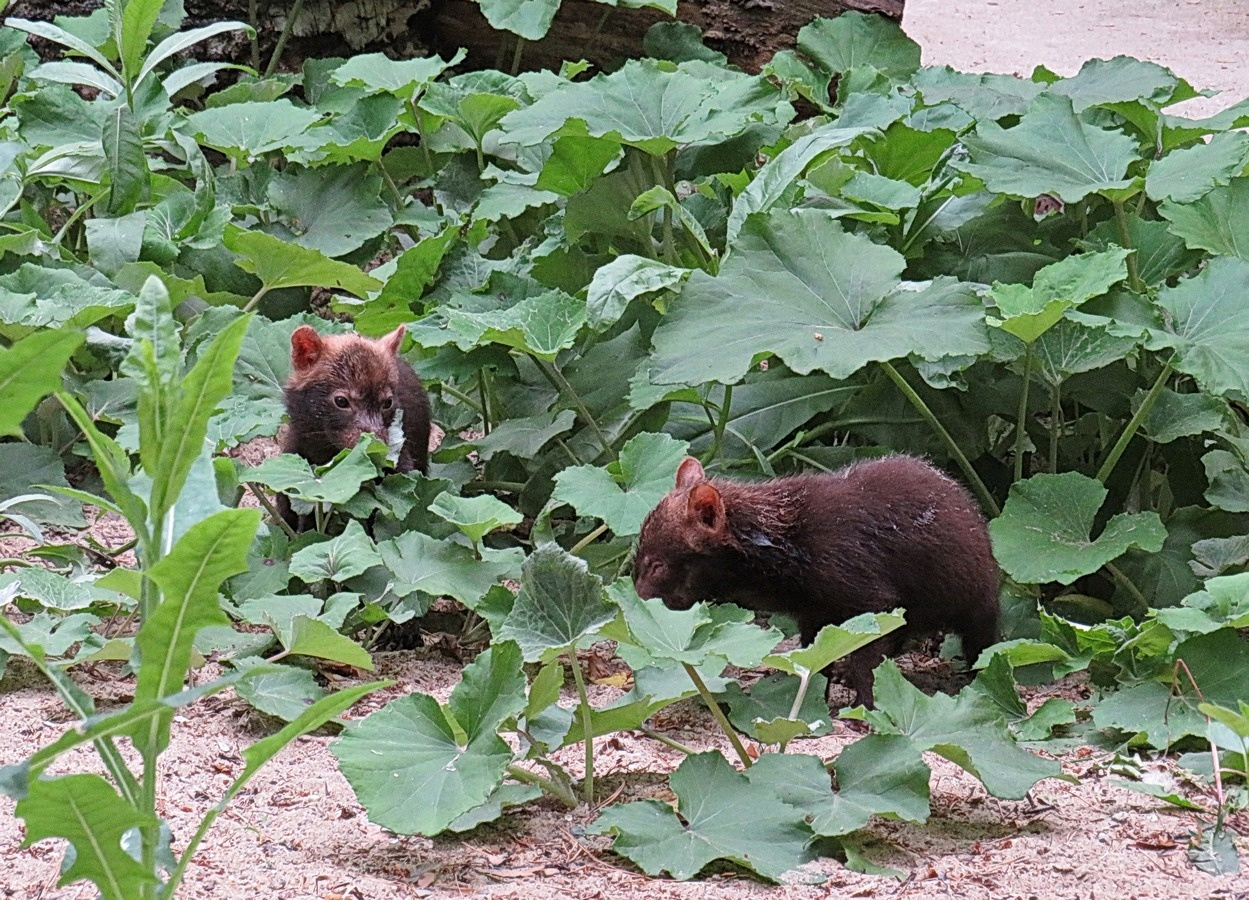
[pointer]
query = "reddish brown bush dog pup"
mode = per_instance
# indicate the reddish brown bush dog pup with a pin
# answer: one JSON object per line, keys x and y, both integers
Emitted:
{"x": 342, "y": 386}
{"x": 875, "y": 535}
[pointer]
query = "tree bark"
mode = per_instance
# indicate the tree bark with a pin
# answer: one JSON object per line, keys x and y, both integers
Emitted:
{"x": 748, "y": 32}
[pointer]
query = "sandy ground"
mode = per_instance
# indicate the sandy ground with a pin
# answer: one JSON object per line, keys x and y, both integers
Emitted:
{"x": 1203, "y": 41}
{"x": 297, "y": 832}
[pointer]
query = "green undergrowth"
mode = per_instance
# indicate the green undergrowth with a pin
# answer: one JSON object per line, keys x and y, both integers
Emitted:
{"x": 1038, "y": 283}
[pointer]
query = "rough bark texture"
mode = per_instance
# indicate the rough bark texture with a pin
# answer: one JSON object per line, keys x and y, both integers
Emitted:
{"x": 747, "y": 31}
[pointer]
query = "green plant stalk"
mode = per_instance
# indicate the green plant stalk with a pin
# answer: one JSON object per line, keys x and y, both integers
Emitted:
{"x": 264, "y": 500}
{"x": 485, "y": 400}
{"x": 1124, "y": 582}
{"x": 518, "y": 54}
{"x": 556, "y": 377}
{"x": 550, "y": 785}
{"x": 1021, "y": 430}
{"x": 718, "y": 713}
{"x": 1134, "y": 424}
{"x": 461, "y": 396}
{"x": 256, "y": 298}
{"x": 804, "y": 681}
{"x": 726, "y": 404}
{"x": 964, "y": 464}
{"x": 253, "y": 18}
{"x": 586, "y": 725}
{"x": 287, "y": 29}
{"x": 109, "y": 754}
{"x": 81, "y": 211}
{"x": 1121, "y": 220}
{"x": 1056, "y": 415}
{"x": 588, "y": 539}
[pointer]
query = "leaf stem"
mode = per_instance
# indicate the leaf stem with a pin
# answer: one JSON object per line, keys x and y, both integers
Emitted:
{"x": 588, "y": 539}
{"x": 1056, "y": 415}
{"x": 550, "y": 785}
{"x": 1129, "y": 430}
{"x": 1021, "y": 418}
{"x": 287, "y": 29}
{"x": 484, "y": 399}
{"x": 264, "y": 501}
{"x": 1134, "y": 277}
{"x": 804, "y": 681}
{"x": 256, "y": 298}
{"x": 719, "y": 715}
{"x": 1126, "y": 583}
{"x": 556, "y": 377}
{"x": 460, "y": 395}
{"x": 587, "y": 729}
{"x": 964, "y": 464}
{"x": 726, "y": 404}
{"x": 666, "y": 741}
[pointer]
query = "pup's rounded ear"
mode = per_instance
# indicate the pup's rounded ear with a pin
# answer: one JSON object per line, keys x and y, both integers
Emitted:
{"x": 393, "y": 341}
{"x": 690, "y": 472}
{"x": 306, "y": 348}
{"x": 706, "y": 507}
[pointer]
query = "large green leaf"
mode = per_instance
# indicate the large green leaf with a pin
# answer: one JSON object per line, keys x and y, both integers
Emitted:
{"x": 1208, "y": 318}
{"x": 279, "y": 264}
{"x": 341, "y": 557}
{"x": 1028, "y": 312}
{"x": 245, "y": 131}
{"x": 1050, "y": 151}
{"x": 416, "y": 765}
{"x": 1216, "y": 221}
{"x": 559, "y": 603}
{"x": 799, "y": 286}
{"x": 1043, "y": 532}
{"x": 714, "y": 801}
{"x": 858, "y": 39}
{"x": 31, "y": 369}
{"x": 418, "y": 562}
{"x": 1183, "y": 176}
{"x": 985, "y": 97}
{"x": 475, "y": 516}
{"x": 968, "y": 730}
{"x": 337, "y": 482}
{"x": 333, "y": 209}
{"x": 881, "y": 774}
{"x": 529, "y": 19}
{"x": 650, "y": 106}
{"x": 622, "y": 493}
{"x": 35, "y": 296}
{"x": 127, "y": 163}
{"x": 542, "y": 325}
{"x": 88, "y": 812}
{"x": 24, "y": 465}
{"x": 404, "y": 78}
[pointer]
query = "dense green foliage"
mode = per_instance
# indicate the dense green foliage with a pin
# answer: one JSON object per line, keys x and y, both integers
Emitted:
{"x": 1038, "y": 283}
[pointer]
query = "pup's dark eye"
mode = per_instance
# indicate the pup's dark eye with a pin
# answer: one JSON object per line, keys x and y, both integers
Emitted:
{"x": 342, "y": 402}
{"x": 387, "y": 403}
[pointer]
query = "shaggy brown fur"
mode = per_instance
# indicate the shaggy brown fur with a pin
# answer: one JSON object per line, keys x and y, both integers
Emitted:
{"x": 870, "y": 537}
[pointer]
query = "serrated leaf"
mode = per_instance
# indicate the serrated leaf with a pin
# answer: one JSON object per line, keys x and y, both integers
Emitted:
{"x": 88, "y": 812}
{"x": 1209, "y": 325}
{"x": 799, "y": 286}
{"x": 713, "y": 801}
{"x": 1050, "y": 151}
{"x": 559, "y": 603}
{"x": 408, "y": 766}
{"x": 968, "y": 730}
{"x": 341, "y": 557}
{"x": 337, "y": 482}
{"x": 622, "y": 493}
{"x": 1189, "y": 173}
{"x": 575, "y": 162}
{"x": 331, "y": 209}
{"x": 279, "y": 264}
{"x": 1028, "y": 313}
{"x": 835, "y": 642}
{"x": 188, "y": 577}
{"x": 404, "y": 78}
{"x": 418, "y": 562}
{"x": 245, "y": 131}
{"x": 311, "y": 637}
{"x": 475, "y": 516}
{"x": 1042, "y": 534}
{"x": 856, "y": 39}
{"x": 1214, "y": 221}
{"x": 30, "y": 369}
{"x": 623, "y": 279}
{"x": 881, "y": 774}
{"x": 49, "y": 589}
